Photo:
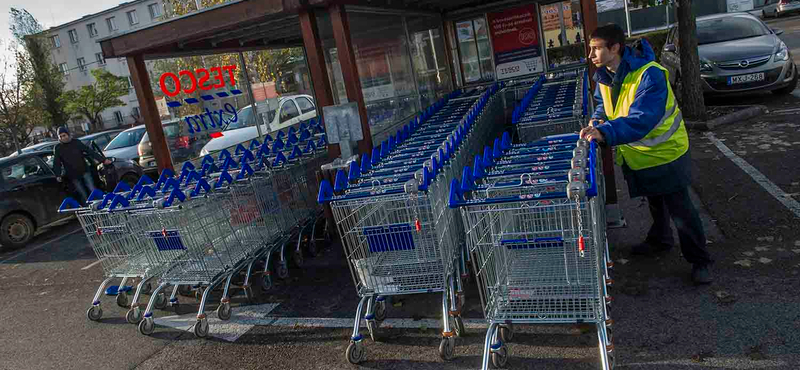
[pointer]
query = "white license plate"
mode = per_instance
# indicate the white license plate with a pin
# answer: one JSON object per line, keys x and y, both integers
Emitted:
{"x": 743, "y": 79}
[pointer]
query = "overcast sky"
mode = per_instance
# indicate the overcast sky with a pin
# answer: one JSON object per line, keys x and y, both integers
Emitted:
{"x": 52, "y": 12}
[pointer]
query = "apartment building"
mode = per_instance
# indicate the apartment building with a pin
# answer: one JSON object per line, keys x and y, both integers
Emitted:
{"x": 76, "y": 52}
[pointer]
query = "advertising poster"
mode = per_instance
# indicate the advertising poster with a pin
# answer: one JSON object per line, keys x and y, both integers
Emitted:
{"x": 515, "y": 39}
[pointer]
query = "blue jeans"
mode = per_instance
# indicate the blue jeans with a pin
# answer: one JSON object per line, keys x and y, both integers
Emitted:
{"x": 84, "y": 185}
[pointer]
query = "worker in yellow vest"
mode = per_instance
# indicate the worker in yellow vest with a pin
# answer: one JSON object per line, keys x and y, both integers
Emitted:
{"x": 637, "y": 113}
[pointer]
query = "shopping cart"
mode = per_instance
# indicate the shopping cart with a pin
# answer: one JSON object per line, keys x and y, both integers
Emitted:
{"x": 552, "y": 107}
{"x": 538, "y": 243}
{"x": 391, "y": 212}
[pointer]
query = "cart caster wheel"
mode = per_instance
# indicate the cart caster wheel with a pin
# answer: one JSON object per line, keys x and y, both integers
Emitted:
{"x": 185, "y": 290}
{"x": 447, "y": 348}
{"x": 506, "y": 333}
{"x": 94, "y": 313}
{"x": 355, "y": 353}
{"x": 133, "y": 316}
{"x": 201, "y": 328}
{"x": 500, "y": 357}
{"x": 297, "y": 258}
{"x": 224, "y": 311}
{"x": 458, "y": 324}
{"x": 283, "y": 271}
{"x": 312, "y": 248}
{"x": 380, "y": 311}
{"x": 147, "y": 288}
{"x": 161, "y": 301}
{"x": 122, "y": 299}
{"x": 372, "y": 326}
{"x": 266, "y": 283}
{"x": 147, "y": 326}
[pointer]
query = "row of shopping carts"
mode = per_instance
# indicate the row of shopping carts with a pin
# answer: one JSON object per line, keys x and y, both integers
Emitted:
{"x": 398, "y": 233}
{"x": 200, "y": 228}
{"x": 536, "y": 235}
{"x": 552, "y": 106}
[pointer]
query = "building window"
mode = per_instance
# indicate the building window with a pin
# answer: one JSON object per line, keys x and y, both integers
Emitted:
{"x": 111, "y": 23}
{"x": 73, "y": 36}
{"x": 475, "y": 51}
{"x": 92, "y": 28}
{"x": 118, "y": 117}
{"x": 99, "y": 57}
{"x": 64, "y": 69}
{"x": 132, "y": 18}
{"x": 82, "y": 64}
{"x": 55, "y": 41}
{"x": 155, "y": 10}
{"x": 135, "y": 112}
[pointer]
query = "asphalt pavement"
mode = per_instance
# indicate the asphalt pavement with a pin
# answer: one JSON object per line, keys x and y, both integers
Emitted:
{"x": 745, "y": 183}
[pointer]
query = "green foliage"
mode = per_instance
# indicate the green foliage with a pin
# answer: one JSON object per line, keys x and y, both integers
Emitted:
{"x": 89, "y": 101}
{"x": 656, "y": 39}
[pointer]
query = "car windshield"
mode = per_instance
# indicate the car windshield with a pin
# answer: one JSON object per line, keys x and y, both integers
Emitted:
{"x": 246, "y": 118}
{"x": 126, "y": 139}
{"x": 727, "y": 29}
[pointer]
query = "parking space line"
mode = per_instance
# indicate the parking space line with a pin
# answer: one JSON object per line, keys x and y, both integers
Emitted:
{"x": 40, "y": 246}
{"x": 93, "y": 264}
{"x": 757, "y": 176}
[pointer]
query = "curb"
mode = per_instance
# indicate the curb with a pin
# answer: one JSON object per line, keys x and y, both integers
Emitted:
{"x": 740, "y": 115}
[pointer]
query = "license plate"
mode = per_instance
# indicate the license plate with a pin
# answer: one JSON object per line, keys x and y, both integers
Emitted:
{"x": 743, "y": 79}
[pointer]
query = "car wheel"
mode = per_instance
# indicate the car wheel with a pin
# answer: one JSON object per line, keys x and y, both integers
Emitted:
{"x": 130, "y": 180}
{"x": 16, "y": 230}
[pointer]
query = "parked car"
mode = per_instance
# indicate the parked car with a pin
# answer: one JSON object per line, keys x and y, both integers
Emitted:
{"x": 30, "y": 194}
{"x": 46, "y": 146}
{"x": 101, "y": 139}
{"x": 126, "y": 144}
{"x": 777, "y": 8}
{"x": 181, "y": 143}
{"x": 291, "y": 111}
{"x": 738, "y": 53}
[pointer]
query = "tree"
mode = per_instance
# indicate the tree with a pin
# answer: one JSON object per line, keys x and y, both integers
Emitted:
{"x": 47, "y": 79}
{"x": 694, "y": 108}
{"x": 15, "y": 125}
{"x": 91, "y": 100}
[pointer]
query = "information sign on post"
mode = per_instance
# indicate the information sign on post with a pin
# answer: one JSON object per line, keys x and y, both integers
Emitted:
{"x": 343, "y": 126}
{"x": 515, "y": 40}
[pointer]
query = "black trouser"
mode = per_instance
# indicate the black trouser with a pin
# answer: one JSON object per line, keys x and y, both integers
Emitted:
{"x": 679, "y": 207}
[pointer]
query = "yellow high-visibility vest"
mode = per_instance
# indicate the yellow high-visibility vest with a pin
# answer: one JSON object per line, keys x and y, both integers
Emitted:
{"x": 667, "y": 141}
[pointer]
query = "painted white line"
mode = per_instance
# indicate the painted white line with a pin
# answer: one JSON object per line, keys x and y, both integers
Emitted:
{"x": 93, "y": 264}
{"x": 245, "y": 318}
{"x": 40, "y": 246}
{"x": 762, "y": 180}
{"x": 785, "y": 111}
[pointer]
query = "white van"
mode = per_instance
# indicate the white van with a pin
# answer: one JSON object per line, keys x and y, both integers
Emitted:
{"x": 291, "y": 111}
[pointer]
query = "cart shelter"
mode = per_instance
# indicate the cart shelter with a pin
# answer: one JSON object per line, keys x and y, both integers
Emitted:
{"x": 352, "y": 46}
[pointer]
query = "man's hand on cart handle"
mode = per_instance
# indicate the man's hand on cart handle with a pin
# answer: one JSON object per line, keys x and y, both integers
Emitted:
{"x": 591, "y": 132}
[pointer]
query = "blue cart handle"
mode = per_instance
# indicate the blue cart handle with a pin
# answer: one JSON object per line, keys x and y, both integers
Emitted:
{"x": 202, "y": 184}
{"x": 146, "y": 191}
{"x": 117, "y": 201}
{"x": 68, "y": 204}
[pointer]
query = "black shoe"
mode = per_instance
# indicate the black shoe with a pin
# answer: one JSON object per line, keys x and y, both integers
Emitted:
{"x": 648, "y": 248}
{"x": 701, "y": 275}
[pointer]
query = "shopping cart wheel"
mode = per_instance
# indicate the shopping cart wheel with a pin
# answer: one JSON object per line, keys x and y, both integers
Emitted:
{"x": 312, "y": 248}
{"x": 447, "y": 348}
{"x": 201, "y": 328}
{"x": 147, "y": 288}
{"x": 372, "y": 326}
{"x": 282, "y": 270}
{"x": 380, "y": 310}
{"x": 506, "y": 333}
{"x": 500, "y": 357}
{"x": 94, "y": 313}
{"x": 355, "y": 353}
{"x": 458, "y": 323}
{"x": 133, "y": 316}
{"x": 224, "y": 311}
{"x": 161, "y": 301}
{"x": 185, "y": 290}
{"x": 147, "y": 326}
{"x": 266, "y": 283}
{"x": 122, "y": 299}
{"x": 297, "y": 258}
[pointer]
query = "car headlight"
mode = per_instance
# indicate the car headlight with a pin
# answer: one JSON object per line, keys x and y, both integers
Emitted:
{"x": 705, "y": 66}
{"x": 783, "y": 53}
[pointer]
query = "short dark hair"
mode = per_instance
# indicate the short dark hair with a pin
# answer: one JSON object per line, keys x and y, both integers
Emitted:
{"x": 612, "y": 34}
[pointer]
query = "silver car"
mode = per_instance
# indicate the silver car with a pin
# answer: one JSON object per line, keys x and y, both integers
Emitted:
{"x": 738, "y": 53}
{"x": 777, "y": 8}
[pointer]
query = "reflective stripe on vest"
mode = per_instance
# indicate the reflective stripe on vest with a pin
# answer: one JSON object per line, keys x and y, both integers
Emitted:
{"x": 667, "y": 141}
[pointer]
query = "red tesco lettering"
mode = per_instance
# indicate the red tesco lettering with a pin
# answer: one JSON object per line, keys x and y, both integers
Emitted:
{"x": 197, "y": 79}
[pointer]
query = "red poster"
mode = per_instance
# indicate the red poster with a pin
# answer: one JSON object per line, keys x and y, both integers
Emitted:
{"x": 515, "y": 40}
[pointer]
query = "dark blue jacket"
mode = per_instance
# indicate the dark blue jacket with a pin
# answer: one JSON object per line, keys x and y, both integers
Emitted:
{"x": 644, "y": 114}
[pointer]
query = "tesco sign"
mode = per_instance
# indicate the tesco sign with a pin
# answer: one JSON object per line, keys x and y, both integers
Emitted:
{"x": 198, "y": 78}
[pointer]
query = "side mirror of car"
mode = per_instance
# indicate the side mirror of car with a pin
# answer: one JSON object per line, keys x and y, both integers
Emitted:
{"x": 777, "y": 31}
{"x": 670, "y": 48}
